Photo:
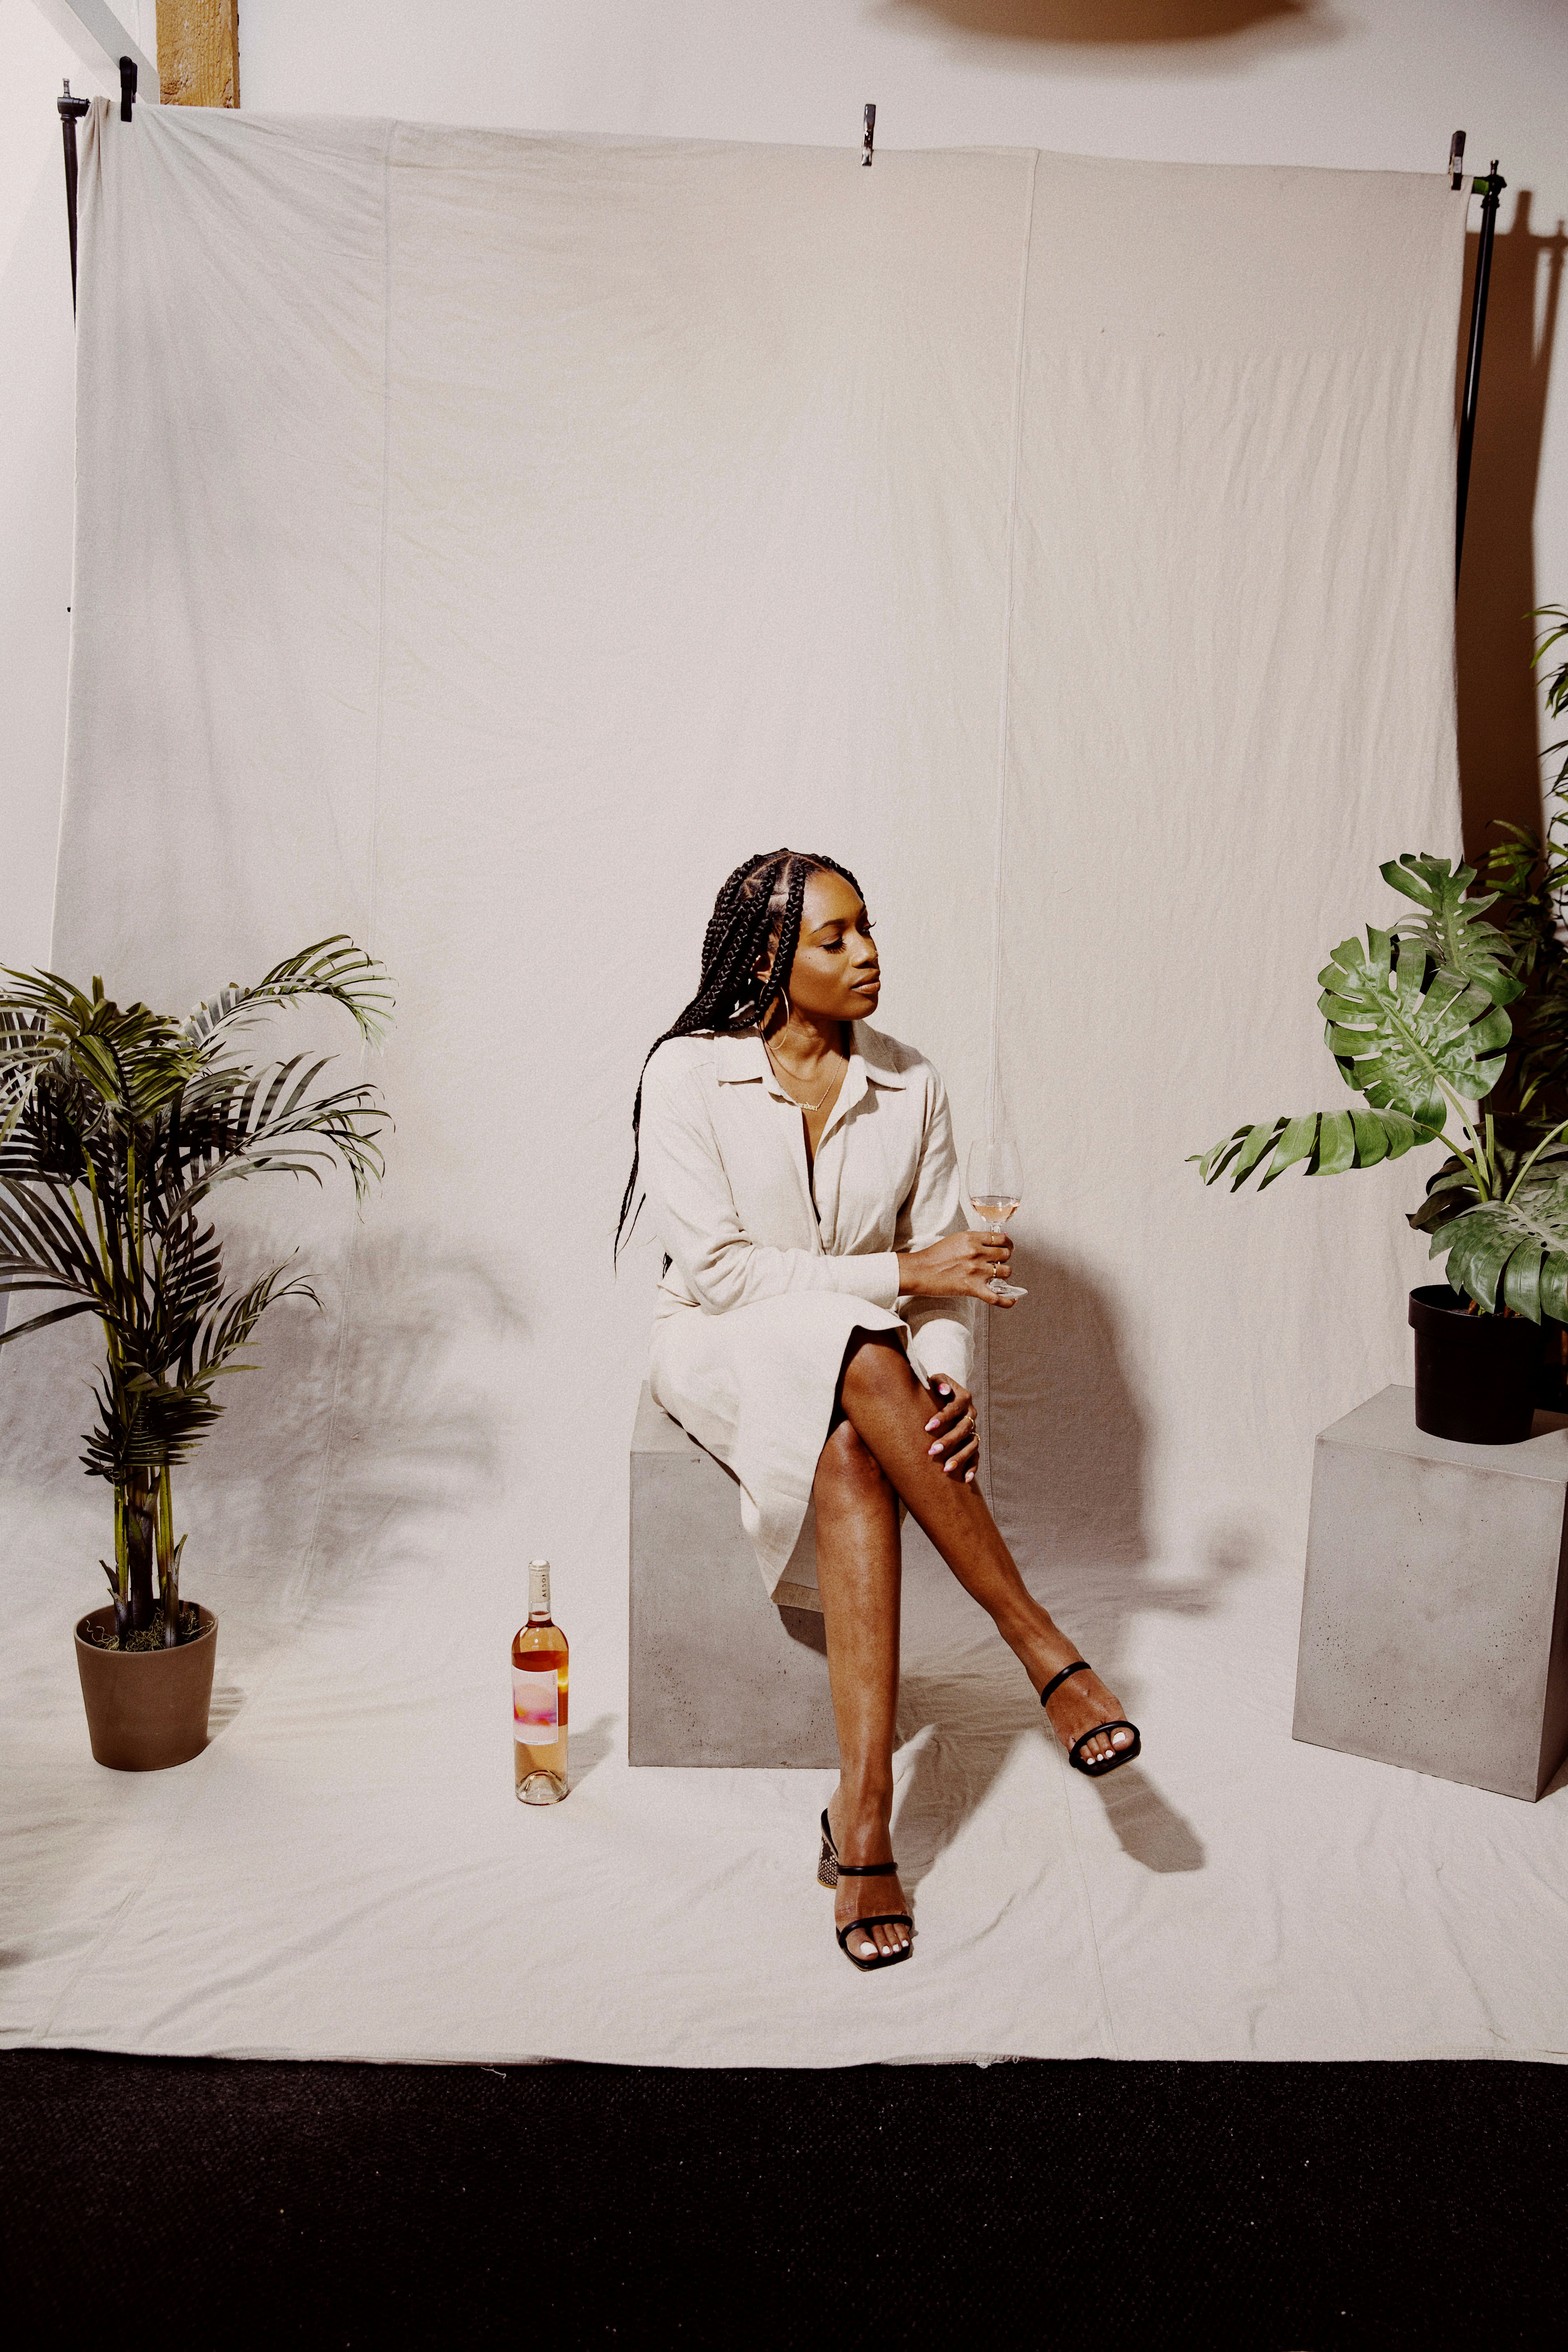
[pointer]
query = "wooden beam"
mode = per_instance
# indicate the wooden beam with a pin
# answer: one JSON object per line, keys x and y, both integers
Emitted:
{"x": 199, "y": 52}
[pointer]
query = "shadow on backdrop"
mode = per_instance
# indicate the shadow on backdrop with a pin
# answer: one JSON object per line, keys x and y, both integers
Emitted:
{"x": 1070, "y": 1495}
{"x": 417, "y": 1442}
{"x": 1129, "y": 35}
{"x": 1499, "y": 774}
{"x": 360, "y": 1445}
{"x": 1068, "y": 1490}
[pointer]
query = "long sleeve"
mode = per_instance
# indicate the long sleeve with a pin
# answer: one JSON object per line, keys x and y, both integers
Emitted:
{"x": 941, "y": 1338}
{"x": 693, "y": 1212}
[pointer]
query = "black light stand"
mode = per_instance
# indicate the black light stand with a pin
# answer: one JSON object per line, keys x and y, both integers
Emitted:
{"x": 71, "y": 111}
{"x": 1489, "y": 189}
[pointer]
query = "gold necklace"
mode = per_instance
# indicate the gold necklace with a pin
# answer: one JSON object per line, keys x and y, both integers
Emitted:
{"x": 783, "y": 1071}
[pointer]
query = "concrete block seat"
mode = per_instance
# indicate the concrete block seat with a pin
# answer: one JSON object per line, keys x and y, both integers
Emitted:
{"x": 720, "y": 1674}
{"x": 1435, "y": 1617}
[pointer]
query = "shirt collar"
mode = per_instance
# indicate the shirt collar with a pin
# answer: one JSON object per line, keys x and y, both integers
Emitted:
{"x": 740, "y": 1056}
{"x": 875, "y": 1052}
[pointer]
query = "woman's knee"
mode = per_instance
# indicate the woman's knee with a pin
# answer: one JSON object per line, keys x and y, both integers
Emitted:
{"x": 847, "y": 1471}
{"x": 874, "y": 1363}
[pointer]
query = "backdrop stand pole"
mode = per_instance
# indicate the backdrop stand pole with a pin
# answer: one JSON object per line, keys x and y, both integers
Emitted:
{"x": 1488, "y": 190}
{"x": 71, "y": 111}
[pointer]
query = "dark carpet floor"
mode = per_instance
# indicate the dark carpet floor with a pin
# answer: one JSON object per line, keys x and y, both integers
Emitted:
{"x": 197, "y": 2202}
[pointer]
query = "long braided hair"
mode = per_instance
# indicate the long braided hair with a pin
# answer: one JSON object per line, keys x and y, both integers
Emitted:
{"x": 757, "y": 909}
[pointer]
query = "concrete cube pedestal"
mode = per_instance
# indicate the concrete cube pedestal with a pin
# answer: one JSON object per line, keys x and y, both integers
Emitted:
{"x": 1435, "y": 1619}
{"x": 720, "y": 1674}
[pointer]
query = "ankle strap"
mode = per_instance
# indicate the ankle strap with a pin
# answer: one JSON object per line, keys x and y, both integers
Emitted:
{"x": 867, "y": 1869}
{"x": 1078, "y": 1666}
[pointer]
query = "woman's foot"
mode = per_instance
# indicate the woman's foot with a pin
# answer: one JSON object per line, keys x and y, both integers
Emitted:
{"x": 1075, "y": 1706}
{"x": 861, "y": 1834}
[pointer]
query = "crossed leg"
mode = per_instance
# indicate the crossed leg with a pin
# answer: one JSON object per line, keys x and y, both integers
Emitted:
{"x": 877, "y": 1453}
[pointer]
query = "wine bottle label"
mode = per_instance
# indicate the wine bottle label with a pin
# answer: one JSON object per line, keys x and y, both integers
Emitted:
{"x": 535, "y": 1707}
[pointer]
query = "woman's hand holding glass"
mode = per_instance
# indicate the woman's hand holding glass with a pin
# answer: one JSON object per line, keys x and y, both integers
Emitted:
{"x": 960, "y": 1265}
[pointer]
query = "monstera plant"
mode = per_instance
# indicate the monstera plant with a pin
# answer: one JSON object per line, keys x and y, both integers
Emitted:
{"x": 1454, "y": 1028}
{"x": 1419, "y": 1022}
{"x": 117, "y": 1127}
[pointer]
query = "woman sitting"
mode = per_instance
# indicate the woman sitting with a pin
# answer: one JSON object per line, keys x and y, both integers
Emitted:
{"x": 813, "y": 1324}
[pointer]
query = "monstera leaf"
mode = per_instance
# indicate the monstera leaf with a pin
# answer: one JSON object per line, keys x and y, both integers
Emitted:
{"x": 1510, "y": 1251}
{"x": 1416, "y": 1021}
{"x": 1401, "y": 1044}
{"x": 1329, "y": 1141}
{"x": 1452, "y": 928}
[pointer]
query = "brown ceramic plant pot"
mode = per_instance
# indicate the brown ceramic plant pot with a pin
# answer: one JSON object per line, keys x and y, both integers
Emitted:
{"x": 146, "y": 1709}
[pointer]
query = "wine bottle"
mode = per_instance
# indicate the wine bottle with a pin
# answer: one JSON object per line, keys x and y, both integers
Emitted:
{"x": 539, "y": 1658}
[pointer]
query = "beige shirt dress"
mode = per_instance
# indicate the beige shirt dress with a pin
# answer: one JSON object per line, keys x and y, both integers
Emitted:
{"x": 772, "y": 1270}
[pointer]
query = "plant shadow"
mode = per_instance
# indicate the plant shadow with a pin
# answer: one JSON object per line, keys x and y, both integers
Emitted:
{"x": 226, "y": 1701}
{"x": 1499, "y": 770}
{"x": 361, "y": 1430}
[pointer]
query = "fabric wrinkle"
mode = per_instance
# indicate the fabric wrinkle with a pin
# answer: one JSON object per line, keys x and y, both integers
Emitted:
{"x": 301, "y": 1580}
{"x": 629, "y": 546}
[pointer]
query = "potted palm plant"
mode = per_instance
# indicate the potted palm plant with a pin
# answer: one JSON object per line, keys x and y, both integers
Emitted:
{"x": 116, "y": 1124}
{"x": 1419, "y": 1021}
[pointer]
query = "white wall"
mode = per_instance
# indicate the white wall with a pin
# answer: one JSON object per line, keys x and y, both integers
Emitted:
{"x": 1358, "y": 83}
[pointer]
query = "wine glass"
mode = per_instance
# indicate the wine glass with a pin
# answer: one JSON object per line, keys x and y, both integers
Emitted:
{"x": 996, "y": 1188}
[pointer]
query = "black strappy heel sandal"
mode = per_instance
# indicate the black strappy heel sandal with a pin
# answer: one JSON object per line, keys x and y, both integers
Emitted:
{"x": 1099, "y": 1766}
{"x": 830, "y": 1869}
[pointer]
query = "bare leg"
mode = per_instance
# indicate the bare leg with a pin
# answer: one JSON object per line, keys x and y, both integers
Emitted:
{"x": 859, "y": 1574}
{"x": 889, "y": 1409}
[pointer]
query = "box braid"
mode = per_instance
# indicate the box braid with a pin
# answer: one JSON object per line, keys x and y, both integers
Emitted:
{"x": 758, "y": 906}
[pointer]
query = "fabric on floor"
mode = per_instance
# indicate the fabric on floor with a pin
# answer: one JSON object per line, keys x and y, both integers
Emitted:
{"x": 484, "y": 542}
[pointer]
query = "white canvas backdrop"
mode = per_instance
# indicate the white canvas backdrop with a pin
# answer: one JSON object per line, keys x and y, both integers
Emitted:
{"x": 484, "y": 542}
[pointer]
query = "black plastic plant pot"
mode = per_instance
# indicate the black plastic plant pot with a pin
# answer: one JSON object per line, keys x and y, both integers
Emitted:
{"x": 1475, "y": 1374}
